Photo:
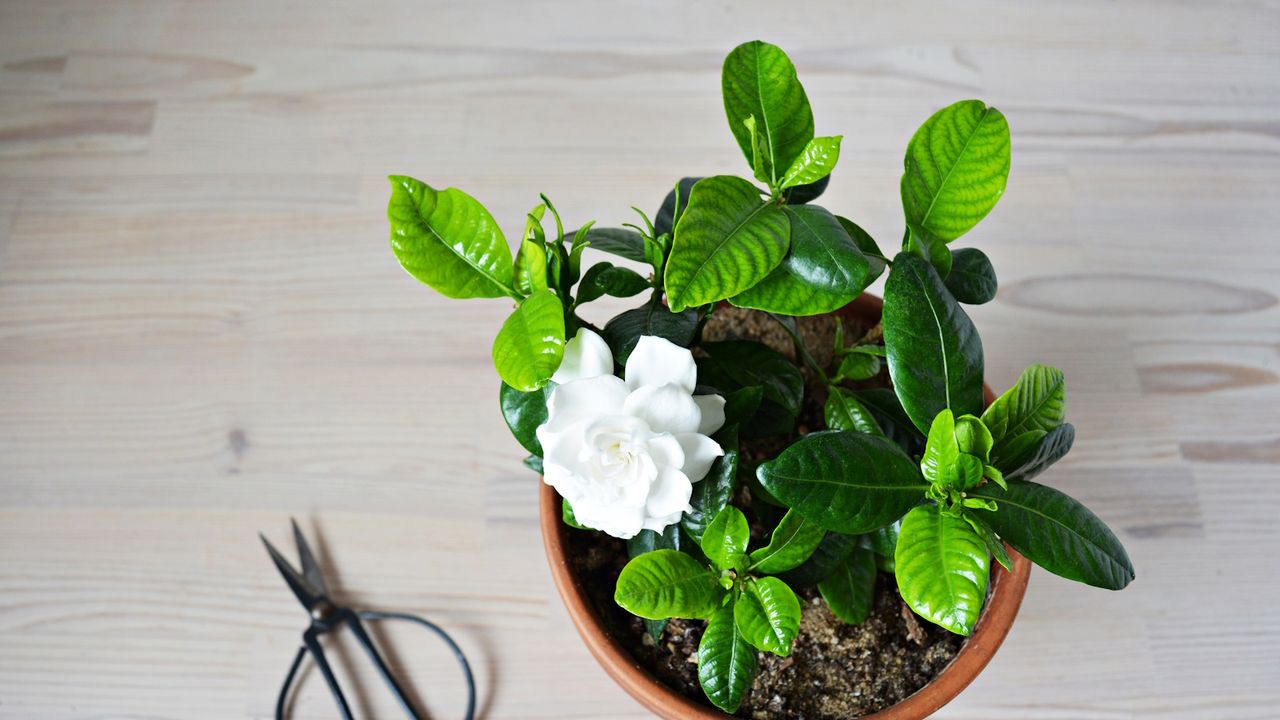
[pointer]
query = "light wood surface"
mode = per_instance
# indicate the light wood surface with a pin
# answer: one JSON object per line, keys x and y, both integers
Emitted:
{"x": 203, "y": 331}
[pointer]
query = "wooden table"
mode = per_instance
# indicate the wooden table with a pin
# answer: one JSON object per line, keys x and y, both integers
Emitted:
{"x": 203, "y": 331}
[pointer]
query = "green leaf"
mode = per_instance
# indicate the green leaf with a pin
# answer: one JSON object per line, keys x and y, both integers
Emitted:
{"x": 1037, "y": 402}
{"x": 876, "y": 260}
{"x": 524, "y": 412}
{"x": 815, "y": 162}
{"x": 930, "y": 249}
{"x": 844, "y": 481}
{"x": 1057, "y": 533}
{"x": 760, "y": 151}
{"x": 622, "y": 242}
{"x": 830, "y": 553}
{"x": 664, "y": 223}
{"x": 725, "y": 539}
{"x": 607, "y": 279}
{"x": 843, "y": 412}
{"x": 823, "y": 271}
{"x": 892, "y": 419}
{"x": 726, "y": 661}
{"x": 973, "y": 438}
{"x": 993, "y": 543}
{"x": 801, "y": 194}
{"x": 941, "y": 450}
{"x": 531, "y": 267}
{"x": 972, "y": 279}
{"x": 566, "y": 514}
{"x": 741, "y": 404}
{"x": 622, "y": 332}
{"x": 727, "y": 240}
{"x": 768, "y": 615}
{"x": 758, "y": 80}
{"x": 733, "y": 364}
{"x": 712, "y": 493}
{"x": 534, "y": 463}
{"x": 859, "y": 366}
{"x": 942, "y": 568}
{"x": 647, "y": 541}
{"x": 530, "y": 345}
{"x": 955, "y": 169}
{"x": 446, "y": 239}
{"x": 668, "y": 583}
{"x": 1052, "y": 447}
{"x": 884, "y": 540}
{"x": 792, "y": 542}
{"x": 935, "y": 354}
{"x": 850, "y": 591}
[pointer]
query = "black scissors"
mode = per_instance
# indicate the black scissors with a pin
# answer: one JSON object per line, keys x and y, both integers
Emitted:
{"x": 327, "y": 616}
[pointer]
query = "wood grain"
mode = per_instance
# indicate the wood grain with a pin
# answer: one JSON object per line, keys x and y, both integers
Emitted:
{"x": 203, "y": 331}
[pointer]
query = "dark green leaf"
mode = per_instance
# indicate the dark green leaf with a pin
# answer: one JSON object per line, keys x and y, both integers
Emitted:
{"x": 668, "y": 583}
{"x": 622, "y": 332}
{"x": 1057, "y": 533}
{"x": 534, "y": 463}
{"x": 844, "y": 481}
{"x": 623, "y": 242}
{"x": 884, "y": 540}
{"x": 1051, "y": 449}
{"x": 726, "y": 661}
{"x": 608, "y": 279}
{"x": 930, "y": 249}
{"x": 768, "y": 615}
{"x": 664, "y": 223}
{"x": 530, "y": 345}
{"x": 1037, "y": 403}
{"x": 955, "y": 169}
{"x": 850, "y": 590}
{"x": 725, "y": 539}
{"x": 758, "y": 80}
{"x": 972, "y": 279}
{"x": 935, "y": 354}
{"x": 815, "y": 162}
{"x": 843, "y": 412}
{"x": 876, "y": 260}
{"x": 647, "y": 541}
{"x": 712, "y": 493}
{"x": 892, "y": 419}
{"x": 727, "y": 240}
{"x": 741, "y": 404}
{"x": 859, "y": 366}
{"x": 524, "y": 412}
{"x": 792, "y": 542}
{"x": 801, "y": 194}
{"x": 733, "y": 364}
{"x": 830, "y": 553}
{"x": 942, "y": 567}
{"x": 446, "y": 239}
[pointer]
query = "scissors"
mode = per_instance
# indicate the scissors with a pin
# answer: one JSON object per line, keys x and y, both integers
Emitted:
{"x": 328, "y": 616}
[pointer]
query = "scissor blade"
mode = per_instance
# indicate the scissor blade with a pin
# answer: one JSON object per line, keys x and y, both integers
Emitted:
{"x": 306, "y": 595}
{"x": 310, "y": 568}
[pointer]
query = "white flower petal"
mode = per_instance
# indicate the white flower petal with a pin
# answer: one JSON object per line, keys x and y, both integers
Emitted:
{"x": 586, "y": 355}
{"x": 585, "y": 399}
{"x": 658, "y": 361}
{"x": 658, "y": 524}
{"x": 667, "y": 408}
{"x": 700, "y": 452}
{"x": 670, "y": 494}
{"x": 712, "y": 407}
{"x": 667, "y": 451}
{"x": 616, "y": 520}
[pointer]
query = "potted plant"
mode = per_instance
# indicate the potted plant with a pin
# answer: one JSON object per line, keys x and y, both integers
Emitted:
{"x": 765, "y": 492}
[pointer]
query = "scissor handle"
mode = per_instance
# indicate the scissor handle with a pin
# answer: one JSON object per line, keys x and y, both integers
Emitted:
{"x": 311, "y": 644}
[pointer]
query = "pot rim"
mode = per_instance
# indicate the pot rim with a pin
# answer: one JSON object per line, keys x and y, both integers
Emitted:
{"x": 1007, "y": 590}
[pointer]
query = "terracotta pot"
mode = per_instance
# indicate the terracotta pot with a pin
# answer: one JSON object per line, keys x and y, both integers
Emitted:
{"x": 1007, "y": 589}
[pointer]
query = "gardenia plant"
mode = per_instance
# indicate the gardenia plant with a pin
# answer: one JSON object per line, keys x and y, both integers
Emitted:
{"x": 641, "y": 435}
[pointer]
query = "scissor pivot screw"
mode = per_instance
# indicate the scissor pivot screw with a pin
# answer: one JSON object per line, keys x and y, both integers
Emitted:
{"x": 321, "y": 611}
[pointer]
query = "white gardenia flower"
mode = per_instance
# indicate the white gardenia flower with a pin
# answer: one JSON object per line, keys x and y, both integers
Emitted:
{"x": 625, "y": 453}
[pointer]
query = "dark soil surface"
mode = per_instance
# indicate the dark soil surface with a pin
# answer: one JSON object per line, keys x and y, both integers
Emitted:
{"x": 835, "y": 670}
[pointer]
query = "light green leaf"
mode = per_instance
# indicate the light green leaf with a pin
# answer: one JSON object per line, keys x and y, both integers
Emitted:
{"x": 942, "y": 568}
{"x": 940, "y": 450}
{"x": 607, "y": 279}
{"x": 930, "y": 249}
{"x": 848, "y": 482}
{"x": 1057, "y": 533}
{"x": 760, "y": 151}
{"x": 566, "y": 514}
{"x": 524, "y": 412}
{"x": 1037, "y": 402}
{"x": 668, "y": 583}
{"x": 973, "y": 437}
{"x": 935, "y": 354}
{"x": 726, "y": 661}
{"x": 859, "y": 366}
{"x": 530, "y": 345}
{"x": 850, "y": 591}
{"x": 993, "y": 543}
{"x": 815, "y": 162}
{"x": 955, "y": 169}
{"x": 842, "y": 411}
{"x": 792, "y": 542}
{"x": 531, "y": 267}
{"x": 725, "y": 539}
{"x": 727, "y": 240}
{"x": 446, "y": 239}
{"x": 972, "y": 280}
{"x": 758, "y": 80}
{"x": 768, "y": 615}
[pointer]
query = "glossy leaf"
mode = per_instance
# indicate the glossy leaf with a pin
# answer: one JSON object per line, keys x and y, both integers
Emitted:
{"x": 941, "y": 450}
{"x": 566, "y": 514}
{"x": 668, "y": 583}
{"x": 726, "y": 661}
{"x": 934, "y": 352}
{"x": 531, "y": 267}
{"x": 972, "y": 279}
{"x": 815, "y": 162}
{"x": 1057, "y": 533}
{"x": 664, "y": 223}
{"x": 876, "y": 260}
{"x": 942, "y": 568}
{"x": 850, "y": 591}
{"x": 1051, "y": 448}
{"x": 892, "y": 419}
{"x": 758, "y": 80}
{"x": 1037, "y": 402}
{"x": 768, "y": 615}
{"x": 607, "y": 279}
{"x": 973, "y": 438}
{"x": 623, "y": 242}
{"x": 446, "y": 239}
{"x": 830, "y": 553}
{"x": 534, "y": 463}
{"x": 930, "y": 249}
{"x": 741, "y": 404}
{"x": 993, "y": 543}
{"x": 530, "y": 345}
{"x": 884, "y": 540}
{"x": 524, "y": 412}
{"x": 725, "y": 540}
{"x": 623, "y": 331}
{"x": 759, "y": 159}
{"x": 792, "y": 542}
{"x": 727, "y": 240}
{"x": 711, "y": 494}
{"x": 844, "y": 481}
{"x": 842, "y": 411}
{"x": 859, "y": 366}
{"x": 801, "y": 194}
{"x": 647, "y": 541}
{"x": 955, "y": 169}
{"x": 732, "y": 364}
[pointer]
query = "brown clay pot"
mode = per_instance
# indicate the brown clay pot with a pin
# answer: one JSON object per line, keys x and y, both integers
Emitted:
{"x": 1007, "y": 589}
